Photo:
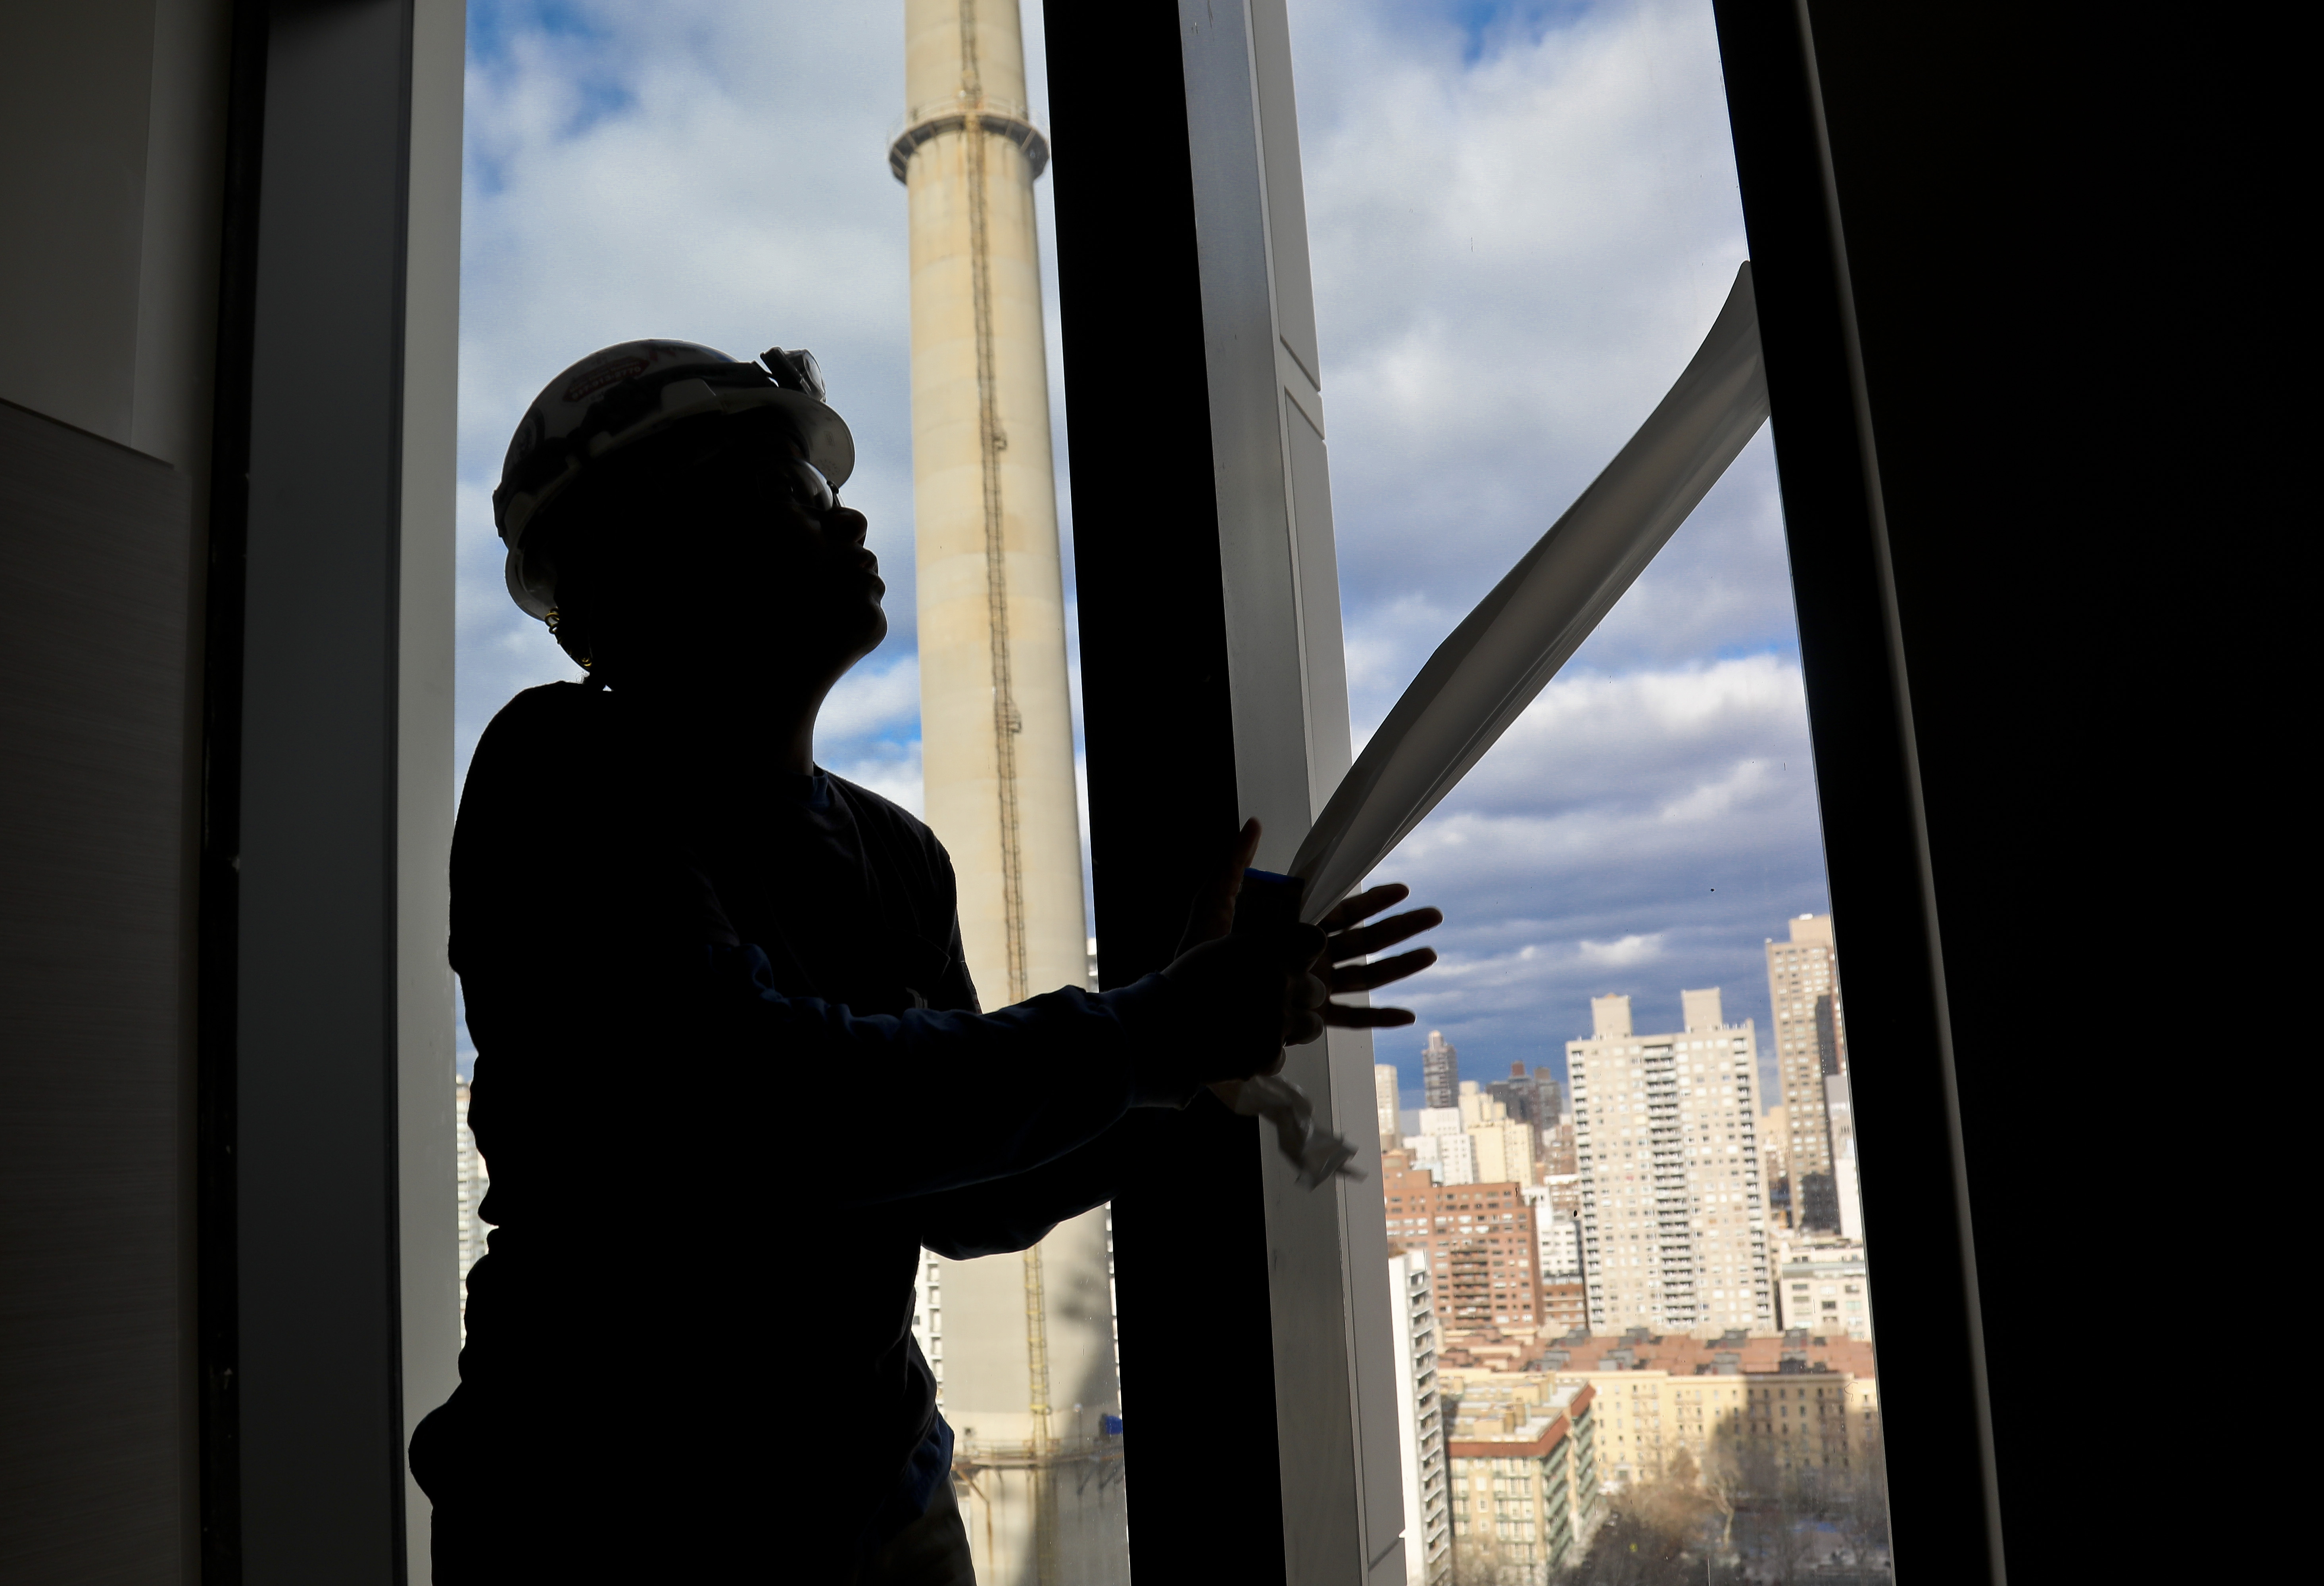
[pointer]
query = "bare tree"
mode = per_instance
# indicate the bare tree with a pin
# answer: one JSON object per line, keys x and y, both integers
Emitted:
{"x": 1747, "y": 1517}
{"x": 1726, "y": 1483}
{"x": 1657, "y": 1533}
{"x": 1861, "y": 1509}
{"x": 1790, "y": 1519}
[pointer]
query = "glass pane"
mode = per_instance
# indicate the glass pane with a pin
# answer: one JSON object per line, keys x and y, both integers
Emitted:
{"x": 866, "y": 182}
{"x": 1628, "y": 1264}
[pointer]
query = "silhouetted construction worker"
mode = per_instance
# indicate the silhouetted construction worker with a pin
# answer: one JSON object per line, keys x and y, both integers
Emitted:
{"x": 732, "y": 1074}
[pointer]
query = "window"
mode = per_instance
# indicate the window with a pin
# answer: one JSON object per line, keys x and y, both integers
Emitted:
{"x": 1489, "y": 257}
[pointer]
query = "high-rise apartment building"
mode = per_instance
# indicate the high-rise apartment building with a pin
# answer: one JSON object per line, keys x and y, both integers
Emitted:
{"x": 1477, "y": 1105}
{"x": 1557, "y": 1157}
{"x": 1385, "y": 1097}
{"x": 1674, "y": 1223}
{"x": 1776, "y": 1164}
{"x": 1811, "y": 1045}
{"x": 1563, "y": 1193}
{"x": 927, "y": 1315}
{"x": 1535, "y": 1099}
{"x": 1514, "y": 1093}
{"x": 1501, "y": 1143}
{"x": 1439, "y": 1071}
{"x": 1482, "y": 1250}
{"x": 1448, "y": 1154}
{"x": 1847, "y": 1184}
{"x": 1504, "y": 1153}
{"x": 1549, "y": 1099}
{"x": 472, "y": 1179}
{"x": 1557, "y": 1232}
{"x": 1427, "y": 1521}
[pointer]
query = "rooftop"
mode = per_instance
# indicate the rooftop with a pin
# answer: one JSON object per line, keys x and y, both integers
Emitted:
{"x": 1504, "y": 1436}
{"x": 1677, "y": 1354}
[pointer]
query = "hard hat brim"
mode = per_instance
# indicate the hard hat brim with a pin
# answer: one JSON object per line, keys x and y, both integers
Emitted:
{"x": 830, "y": 444}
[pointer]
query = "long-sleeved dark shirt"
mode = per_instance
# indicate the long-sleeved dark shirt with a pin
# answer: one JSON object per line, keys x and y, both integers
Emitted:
{"x": 731, "y": 1076}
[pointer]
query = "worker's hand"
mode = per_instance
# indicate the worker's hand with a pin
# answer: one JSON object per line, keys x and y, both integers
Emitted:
{"x": 1348, "y": 938}
{"x": 1257, "y": 992}
{"x": 1313, "y": 964}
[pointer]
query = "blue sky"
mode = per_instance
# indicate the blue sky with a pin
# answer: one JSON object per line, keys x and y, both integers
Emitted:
{"x": 1523, "y": 219}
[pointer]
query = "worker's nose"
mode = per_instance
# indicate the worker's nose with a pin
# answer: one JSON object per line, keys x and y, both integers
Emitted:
{"x": 846, "y": 525}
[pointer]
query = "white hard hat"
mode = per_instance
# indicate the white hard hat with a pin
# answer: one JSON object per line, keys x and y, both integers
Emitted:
{"x": 624, "y": 393}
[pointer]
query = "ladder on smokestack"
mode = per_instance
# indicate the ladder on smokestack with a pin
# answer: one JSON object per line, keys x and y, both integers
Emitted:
{"x": 1036, "y": 1371}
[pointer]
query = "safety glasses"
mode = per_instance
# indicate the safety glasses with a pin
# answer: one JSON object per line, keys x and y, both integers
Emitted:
{"x": 808, "y": 487}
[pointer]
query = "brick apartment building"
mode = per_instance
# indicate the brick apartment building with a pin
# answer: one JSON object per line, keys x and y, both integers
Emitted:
{"x": 1482, "y": 1248}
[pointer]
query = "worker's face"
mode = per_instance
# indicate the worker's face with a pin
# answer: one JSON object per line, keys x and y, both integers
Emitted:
{"x": 819, "y": 575}
{"x": 798, "y": 594}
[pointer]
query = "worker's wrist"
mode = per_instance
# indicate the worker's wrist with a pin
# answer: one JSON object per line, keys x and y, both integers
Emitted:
{"x": 1164, "y": 1071}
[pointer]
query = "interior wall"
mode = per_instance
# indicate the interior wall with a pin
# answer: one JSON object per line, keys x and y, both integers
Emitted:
{"x": 77, "y": 124}
{"x": 112, "y": 129}
{"x": 114, "y": 123}
{"x": 95, "y": 543}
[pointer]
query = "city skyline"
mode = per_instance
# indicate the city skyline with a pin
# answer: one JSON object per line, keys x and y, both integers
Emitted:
{"x": 1660, "y": 1000}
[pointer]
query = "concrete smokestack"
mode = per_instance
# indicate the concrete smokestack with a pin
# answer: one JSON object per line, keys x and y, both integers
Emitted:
{"x": 996, "y": 726}
{"x": 1027, "y": 1342}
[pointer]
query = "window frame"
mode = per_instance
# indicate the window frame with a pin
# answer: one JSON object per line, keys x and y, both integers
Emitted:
{"x": 1210, "y": 630}
{"x": 329, "y": 1311}
{"x": 1230, "y": 211}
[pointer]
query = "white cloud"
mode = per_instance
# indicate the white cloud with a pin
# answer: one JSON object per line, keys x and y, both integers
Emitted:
{"x": 1520, "y": 238}
{"x": 895, "y": 774}
{"x": 870, "y": 729}
{"x": 875, "y": 700}
{"x": 707, "y": 170}
{"x": 1622, "y": 954}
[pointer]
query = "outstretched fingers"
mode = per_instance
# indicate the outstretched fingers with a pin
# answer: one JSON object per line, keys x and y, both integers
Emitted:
{"x": 1366, "y": 977}
{"x": 1383, "y": 934}
{"x": 1344, "y": 1017}
{"x": 1360, "y": 905}
{"x": 1352, "y": 940}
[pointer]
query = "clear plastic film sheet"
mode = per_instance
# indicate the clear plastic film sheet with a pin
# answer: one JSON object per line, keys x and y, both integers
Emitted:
{"x": 1505, "y": 652}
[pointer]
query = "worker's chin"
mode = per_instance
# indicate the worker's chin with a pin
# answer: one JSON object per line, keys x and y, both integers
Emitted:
{"x": 861, "y": 638}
